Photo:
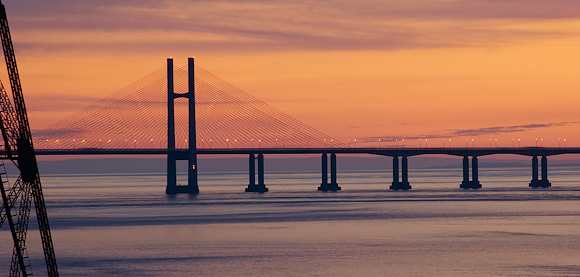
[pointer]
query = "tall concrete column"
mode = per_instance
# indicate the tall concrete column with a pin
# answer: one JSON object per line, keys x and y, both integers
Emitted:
{"x": 544, "y": 168}
{"x": 260, "y": 169}
{"x": 404, "y": 170}
{"x": 534, "y": 168}
{"x": 192, "y": 140}
{"x": 333, "y": 170}
{"x": 324, "y": 170}
{"x": 171, "y": 160}
{"x": 395, "y": 170}
{"x": 465, "y": 169}
{"x": 252, "y": 169}
{"x": 474, "y": 170}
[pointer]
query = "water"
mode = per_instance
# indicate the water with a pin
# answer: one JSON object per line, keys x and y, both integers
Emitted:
{"x": 125, "y": 225}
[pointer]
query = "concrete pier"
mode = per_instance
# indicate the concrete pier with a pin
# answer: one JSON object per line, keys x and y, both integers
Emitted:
{"x": 540, "y": 183}
{"x": 474, "y": 183}
{"x": 402, "y": 184}
{"x": 333, "y": 185}
{"x": 252, "y": 186}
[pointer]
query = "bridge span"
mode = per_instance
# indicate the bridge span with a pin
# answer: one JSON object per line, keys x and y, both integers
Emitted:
{"x": 232, "y": 122}
{"x": 399, "y": 155}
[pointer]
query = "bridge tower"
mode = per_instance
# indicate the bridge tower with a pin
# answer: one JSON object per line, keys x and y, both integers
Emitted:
{"x": 172, "y": 157}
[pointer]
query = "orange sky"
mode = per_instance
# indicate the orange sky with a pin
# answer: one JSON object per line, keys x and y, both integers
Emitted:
{"x": 457, "y": 70}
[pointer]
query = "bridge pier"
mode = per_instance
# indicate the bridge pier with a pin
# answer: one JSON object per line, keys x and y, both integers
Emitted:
{"x": 252, "y": 186}
{"x": 474, "y": 183}
{"x": 540, "y": 183}
{"x": 333, "y": 185}
{"x": 404, "y": 183}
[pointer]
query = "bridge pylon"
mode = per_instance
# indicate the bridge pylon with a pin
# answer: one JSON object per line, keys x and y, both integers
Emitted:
{"x": 172, "y": 187}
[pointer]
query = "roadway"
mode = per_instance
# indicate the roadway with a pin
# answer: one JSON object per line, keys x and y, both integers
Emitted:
{"x": 393, "y": 152}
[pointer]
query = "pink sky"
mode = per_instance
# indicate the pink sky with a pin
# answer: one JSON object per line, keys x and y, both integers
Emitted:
{"x": 457, "y": 70}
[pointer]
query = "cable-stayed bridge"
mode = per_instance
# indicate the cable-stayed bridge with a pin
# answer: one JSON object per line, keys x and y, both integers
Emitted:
{"x": 152, "y": 116}
{"x": 136, "y": 117}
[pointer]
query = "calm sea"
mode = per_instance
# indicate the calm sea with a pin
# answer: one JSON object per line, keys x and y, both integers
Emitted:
{"x": 106, "y": 225}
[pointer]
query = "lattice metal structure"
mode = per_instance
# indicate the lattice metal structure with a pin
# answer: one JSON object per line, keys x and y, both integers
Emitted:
{"x": 17, "y": 147}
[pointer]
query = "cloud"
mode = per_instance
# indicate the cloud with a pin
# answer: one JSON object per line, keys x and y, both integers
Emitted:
{"x": 470, "y": 132}
{"x": 146, "y": 26}
{"x": 503, "y": 129}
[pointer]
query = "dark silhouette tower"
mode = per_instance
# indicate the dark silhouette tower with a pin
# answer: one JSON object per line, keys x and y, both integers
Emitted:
{"x": 172, "y": 157}
{"x": 18, "y": 197}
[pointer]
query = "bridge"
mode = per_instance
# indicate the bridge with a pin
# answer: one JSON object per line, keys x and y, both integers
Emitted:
{"x": 213, "y": 117}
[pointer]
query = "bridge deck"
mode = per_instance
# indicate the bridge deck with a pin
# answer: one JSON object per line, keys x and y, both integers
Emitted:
{"x": 459, "y": 151}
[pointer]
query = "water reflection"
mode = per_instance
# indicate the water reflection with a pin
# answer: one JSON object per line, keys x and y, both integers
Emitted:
{"x": 126, "y": 225}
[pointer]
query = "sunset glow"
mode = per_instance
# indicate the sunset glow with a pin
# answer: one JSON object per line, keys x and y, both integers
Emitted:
{"x": 454, "y": 70}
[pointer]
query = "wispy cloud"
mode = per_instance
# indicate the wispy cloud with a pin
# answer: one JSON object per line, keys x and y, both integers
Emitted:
{"x": 281, "y": 25}
{"x": 504, "y": 129}
{"x": 471, "y": 132}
